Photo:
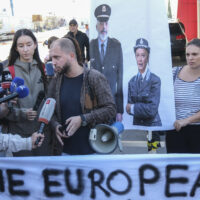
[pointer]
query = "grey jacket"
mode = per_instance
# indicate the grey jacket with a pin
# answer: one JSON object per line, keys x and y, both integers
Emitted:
{"x": 146, "y": 100}
{"x": 112, "y": 67}
{"x": 14, "y": 143}
{"x": 18, "y": 122}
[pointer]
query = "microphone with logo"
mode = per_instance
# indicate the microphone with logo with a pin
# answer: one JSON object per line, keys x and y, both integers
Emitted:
{"x": 21, "y": 92}
{"x": 6, "y": 80}
{"x": 45, "y": 115}
{"x": 16, "y": 82}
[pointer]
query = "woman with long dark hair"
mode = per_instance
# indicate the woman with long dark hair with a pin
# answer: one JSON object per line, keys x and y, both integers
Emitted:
{"x": 24, "y": 62}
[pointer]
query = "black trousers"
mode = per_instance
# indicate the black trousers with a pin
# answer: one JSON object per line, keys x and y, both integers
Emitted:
{"x": 187, "y": 140}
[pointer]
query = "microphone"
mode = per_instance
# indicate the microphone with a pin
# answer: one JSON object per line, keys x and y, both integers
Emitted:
{"x": 6, "y": 80}
{"x": 17, "y": 81}
{"x": 49, "y": 69}
{"x": 39, "y": 99}
{"x": 45, "y": 115}
{"x": 21, "y": 92}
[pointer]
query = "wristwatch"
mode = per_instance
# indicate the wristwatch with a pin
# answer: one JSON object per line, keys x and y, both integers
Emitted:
{"x": 83, "y": 120}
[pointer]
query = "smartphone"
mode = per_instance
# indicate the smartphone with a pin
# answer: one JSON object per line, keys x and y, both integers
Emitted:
{"x": 62, "y": 129}
{"x": 49, "y": 69}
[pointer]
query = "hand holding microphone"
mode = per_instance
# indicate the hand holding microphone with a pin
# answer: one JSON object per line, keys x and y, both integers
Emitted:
{"x": 35, "y": 137}
{"x": 45, "y": 115}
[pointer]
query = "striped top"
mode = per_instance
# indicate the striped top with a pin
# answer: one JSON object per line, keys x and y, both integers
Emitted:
{"x": 187, "y": 96}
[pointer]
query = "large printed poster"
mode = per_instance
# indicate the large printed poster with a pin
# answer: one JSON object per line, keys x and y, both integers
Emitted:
{"x": 130, "y": 45}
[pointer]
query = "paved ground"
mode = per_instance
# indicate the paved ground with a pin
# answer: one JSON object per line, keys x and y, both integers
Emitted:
{"x": 135, "y": 142}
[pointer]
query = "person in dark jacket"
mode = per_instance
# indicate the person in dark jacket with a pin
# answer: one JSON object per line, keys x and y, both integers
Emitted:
{"x": 83, "y": 98}
{"x": 81, "y": 38}
{"x": 106, "y": 57}
{"x": 144, "y": 90}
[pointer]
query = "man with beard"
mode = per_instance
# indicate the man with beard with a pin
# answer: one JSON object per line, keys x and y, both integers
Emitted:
{"x": 106, "y": 57}
{"x": 83, "y": 98}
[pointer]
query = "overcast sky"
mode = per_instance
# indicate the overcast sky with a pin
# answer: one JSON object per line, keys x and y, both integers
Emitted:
{"x": 79, "y": 9}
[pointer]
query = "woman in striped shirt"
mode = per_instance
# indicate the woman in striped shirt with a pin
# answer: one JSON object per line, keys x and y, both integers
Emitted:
{"x": 186, "y": 136}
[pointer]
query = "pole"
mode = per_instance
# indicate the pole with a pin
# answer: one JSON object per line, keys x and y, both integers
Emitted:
{"x": 11, "y": 6}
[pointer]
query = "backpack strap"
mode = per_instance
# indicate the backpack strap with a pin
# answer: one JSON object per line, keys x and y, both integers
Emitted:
{"x": 12, "y": 71}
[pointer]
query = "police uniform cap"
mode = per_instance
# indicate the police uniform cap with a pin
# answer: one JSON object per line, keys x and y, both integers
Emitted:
{"x": 142, "y": 43}
{"x": 102, "y": 12}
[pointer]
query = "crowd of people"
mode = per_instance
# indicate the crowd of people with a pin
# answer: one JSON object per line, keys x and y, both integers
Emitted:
{"x": 86, "y": 94}
{"x": 90, "y": 101}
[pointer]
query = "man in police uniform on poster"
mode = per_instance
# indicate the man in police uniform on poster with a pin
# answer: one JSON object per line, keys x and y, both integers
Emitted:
{"x": 106, "y": 57}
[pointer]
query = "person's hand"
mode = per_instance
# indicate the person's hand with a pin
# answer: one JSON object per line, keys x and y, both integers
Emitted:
{"x": 3, "y": 109}
{"x": 31, "y": 114}
{"x": 119, "y": 117}
{"x": 178, "y": 124}
{"x": 59, "y": 134}
{"x": 73, "y": 124}
{"x": 34, "y": 137}
{"x": 14, "y": 101}
{"x": 128, "y": 108}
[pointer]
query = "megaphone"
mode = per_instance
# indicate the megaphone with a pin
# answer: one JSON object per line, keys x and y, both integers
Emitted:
{"x": 104, "y": 139}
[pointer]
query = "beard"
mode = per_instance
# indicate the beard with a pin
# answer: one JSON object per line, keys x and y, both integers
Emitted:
{"x": 103, "y": 36}
{"x": 66, "y": 68}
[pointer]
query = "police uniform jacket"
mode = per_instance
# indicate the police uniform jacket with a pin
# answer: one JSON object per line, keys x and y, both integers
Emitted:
{"x": 112, "y": 67}
{"x": 146, "y": 99}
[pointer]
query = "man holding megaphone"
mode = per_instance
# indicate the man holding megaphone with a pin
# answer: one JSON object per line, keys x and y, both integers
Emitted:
{"x": 83, "y": 98}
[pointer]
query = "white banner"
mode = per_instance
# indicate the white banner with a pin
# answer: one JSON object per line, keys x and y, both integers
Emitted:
{"x": 101, "y": 177}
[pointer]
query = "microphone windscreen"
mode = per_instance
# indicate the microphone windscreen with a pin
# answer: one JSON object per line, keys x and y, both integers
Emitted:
{"x": 22, "y": 91}
{"x": 49, "y": 69}
{"x": 17, "y": 81}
